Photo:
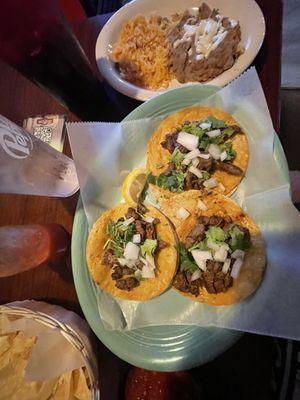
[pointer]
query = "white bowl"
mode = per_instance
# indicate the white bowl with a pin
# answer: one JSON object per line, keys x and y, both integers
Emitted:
{"x": 247, "y": 12}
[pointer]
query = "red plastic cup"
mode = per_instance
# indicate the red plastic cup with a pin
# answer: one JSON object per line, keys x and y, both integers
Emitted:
{"x": 23, "y": 247}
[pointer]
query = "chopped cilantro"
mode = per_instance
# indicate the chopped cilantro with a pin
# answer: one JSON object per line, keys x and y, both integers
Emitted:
{"x": 149, "y": 247}
{"x": 177, "y": 157}
{"x": 193, "y": 129}
{"x": 174, "y": 182}
{"x": 120, "y": 235}
{"x": 186, "y": 262}
{"x": 205, "y": 175}
{"x": 227, "y": 146}
{"x": 237, "y": 239}
{"x": 200, "y": 245}
{"x": 204, "y": 143}
{"x": 216, "y": 234}
{"x": 226, "y": 133}
{"x": 216, "y": 123}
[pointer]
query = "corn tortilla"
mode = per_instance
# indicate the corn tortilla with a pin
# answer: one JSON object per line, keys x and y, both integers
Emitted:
{"x": 157, "y": 156}
{"x": 255, "y": 259}
{"x": 166, "y": 259}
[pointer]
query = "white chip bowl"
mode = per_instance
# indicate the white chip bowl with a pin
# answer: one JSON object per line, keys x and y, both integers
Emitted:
{"x": 247, "y": 12}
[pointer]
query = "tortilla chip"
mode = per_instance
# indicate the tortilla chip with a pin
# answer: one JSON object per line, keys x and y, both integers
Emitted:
{"x": 158, "y": 156}
{"x": 80, "y": 384}
{"x": 166, "y": 260}
{"x": 255, "y": 259}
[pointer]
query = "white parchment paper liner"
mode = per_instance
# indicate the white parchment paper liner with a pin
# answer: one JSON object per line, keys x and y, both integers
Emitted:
{"x": 105, "y": 152}
{"x": 52, "y": 355}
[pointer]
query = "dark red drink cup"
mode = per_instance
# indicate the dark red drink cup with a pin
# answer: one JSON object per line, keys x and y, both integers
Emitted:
{"x": 23, "y": 247}
{"x": 36, "y": 39}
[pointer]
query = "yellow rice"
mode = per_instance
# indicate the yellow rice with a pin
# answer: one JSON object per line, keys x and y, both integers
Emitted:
{"x": 142, "y": 52}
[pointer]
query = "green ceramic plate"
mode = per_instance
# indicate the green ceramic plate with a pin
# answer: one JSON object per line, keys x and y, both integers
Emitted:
{"x": 164, "y": 348}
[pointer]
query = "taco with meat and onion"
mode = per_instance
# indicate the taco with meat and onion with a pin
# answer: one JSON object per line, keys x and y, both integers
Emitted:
{"x": 198, "y": 148}
{"x": 222, "y": 255}
{"x": 131, "y": 253}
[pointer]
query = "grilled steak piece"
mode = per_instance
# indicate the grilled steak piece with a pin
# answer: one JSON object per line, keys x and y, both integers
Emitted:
{"x": 170, "y": 143}
{"x": 127, "y": 283}
{"x": 181, "y": 283}
{"x": 150, "y": 231}
{"x": 127, "y": 271}
{"x": 196, "y": 235}
{"x": 141, "y": 208}
{"x": 192, "y": 181}
{"x": 215, "y": 220}
{"x": 140, "y": 265}
{"x": 229, "y": 168}
{"x": 203, "y": 220}
{"x": 140, "y": 228}
{"x": 109, "y": 258}
{"x": 131, "y": 213}
{"x": 205, "y": 164}
{"x": 214, "y": 280}
{"x": 170, "y": 167}
{"x": 117, "y": 274}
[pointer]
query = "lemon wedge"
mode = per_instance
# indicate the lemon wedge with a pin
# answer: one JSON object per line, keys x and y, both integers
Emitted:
{"x": 133, "y": 185}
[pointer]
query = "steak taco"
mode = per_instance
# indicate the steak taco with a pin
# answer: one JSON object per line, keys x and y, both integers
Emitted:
{"x": 198, "y": 148}
{"x": 222, "y": 255}
{"x": 131, "y": 252}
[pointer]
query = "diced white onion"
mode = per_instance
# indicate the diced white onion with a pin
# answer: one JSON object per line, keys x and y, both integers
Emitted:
{"x": 200, "y": 256}
{"x": 223, "y": 155}
{"x": 131, "y": 251}
{"x": 131, "y": 263}
{"x": 195, "y": 171}
{"x": 136, "y": 238}
{"x": 196, "y": 275}
{"x": 201, "y": 205}
{"x": 204, "y": 156}
{"x": 221, "y": 254}
{"x": 200, "y": 261}
{"x": 205, "y": 125}
{"x": 238, "y": 254}
{"x": 195, "y": 162}
{"x": 226, "y": 265}
{"x": 149, "y": 219}
{"x": 128, "y": 263}
{"x": 182, "y": 213}
{"x": 128, "y": 221}
{"x": 186, "y": 161}
{"x": 147, "y": 272}
{"x": 211, "y": 183}
{"x": 222, "y": 187}
{"x": 138, "y": 274}
{"x": 236, "y": 268}
{"x": 150, "y": 261}
{"x": 122, "y": 261}
{"x": 214, "y": 151}
{"x": 192, "y": 154}
{"x": 188, "y": 140}
{"x": 214, "y": 133}
{"x": 212, "y": 245}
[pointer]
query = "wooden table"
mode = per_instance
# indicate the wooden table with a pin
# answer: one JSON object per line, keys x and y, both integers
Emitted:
{"x": 20, "y": 99}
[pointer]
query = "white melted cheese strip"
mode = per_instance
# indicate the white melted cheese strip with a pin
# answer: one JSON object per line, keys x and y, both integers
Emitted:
{"x": 207, "y": 36}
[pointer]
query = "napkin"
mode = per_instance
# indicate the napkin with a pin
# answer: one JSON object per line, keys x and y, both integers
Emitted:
{"x": 105, "y": 152}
